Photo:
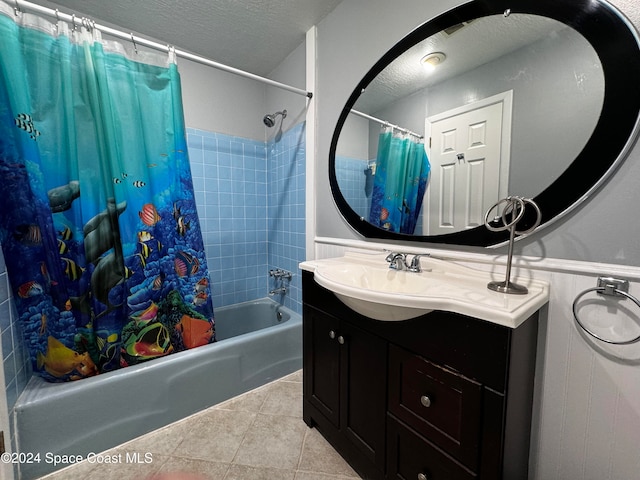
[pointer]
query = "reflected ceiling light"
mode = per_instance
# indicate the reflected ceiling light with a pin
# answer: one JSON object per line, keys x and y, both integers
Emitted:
{"x": 432, "y": 60}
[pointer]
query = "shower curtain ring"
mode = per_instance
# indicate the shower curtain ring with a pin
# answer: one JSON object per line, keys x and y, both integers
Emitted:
{"x": 133, "y": 40}
{"x": 16, "y": 9}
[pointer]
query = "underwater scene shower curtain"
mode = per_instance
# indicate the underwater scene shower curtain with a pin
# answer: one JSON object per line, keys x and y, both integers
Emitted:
{"x": 402, "y": 172}
{"x": 98, "y": 222}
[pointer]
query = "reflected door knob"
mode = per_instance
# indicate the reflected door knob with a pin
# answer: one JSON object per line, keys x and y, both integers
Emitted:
{"x": 422, "y": 476}
{"x": 341, "y": 340}
{"x": 332, "y": 334}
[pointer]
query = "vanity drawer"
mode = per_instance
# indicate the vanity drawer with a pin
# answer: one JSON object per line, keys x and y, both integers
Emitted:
{"x": 440, "y": 404}
{"x": 411, "y": 457}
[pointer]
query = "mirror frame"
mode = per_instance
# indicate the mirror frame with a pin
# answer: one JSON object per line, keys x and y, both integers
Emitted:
{"x": 615, "y": 41}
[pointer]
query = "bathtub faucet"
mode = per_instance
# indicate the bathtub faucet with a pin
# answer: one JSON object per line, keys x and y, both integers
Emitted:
{"x": 278, "y": 291}
{"x": 279, "y": 273}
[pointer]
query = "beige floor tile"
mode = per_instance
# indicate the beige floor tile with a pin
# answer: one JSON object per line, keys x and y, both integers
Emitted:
{"x": 248, "y": 402}
{"x": 318, "y": 456}
{"x": 245, "y": 472}
{"x": 300, "y": 475}
{"x": 80, "y": 470}
{"x": 213, "y": 435}
{"x": 273, "y": 441}
{"x": 122, "y": 471}
{"x": 283, "y": 398}
{"x": 175, "y": 467}
{"x": 293, "y": 377}
{"x": 163, "y": 441}
{"x": 258, "y": 435}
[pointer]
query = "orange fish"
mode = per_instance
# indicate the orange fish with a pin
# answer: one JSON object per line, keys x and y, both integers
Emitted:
{"x": 195, "y": 332}
{"x": 384, "y": 214}
{"x": 149, "y": 214}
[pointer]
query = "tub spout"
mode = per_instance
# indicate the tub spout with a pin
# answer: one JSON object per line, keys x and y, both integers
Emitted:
{"x": 277, "y": 291}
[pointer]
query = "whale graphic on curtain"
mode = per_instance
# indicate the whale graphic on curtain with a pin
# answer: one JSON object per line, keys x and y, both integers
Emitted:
{"x": 98, "y": 222}
{"x": 402, "y": 172}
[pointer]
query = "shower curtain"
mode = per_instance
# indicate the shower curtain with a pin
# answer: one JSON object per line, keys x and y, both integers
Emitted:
{"x": 402, "y": 172}
{"x": 98, "y": 222}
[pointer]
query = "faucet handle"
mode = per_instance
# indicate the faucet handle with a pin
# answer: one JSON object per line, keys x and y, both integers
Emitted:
{"x": 415, "y": 263}
{"x": 397, "y": 261}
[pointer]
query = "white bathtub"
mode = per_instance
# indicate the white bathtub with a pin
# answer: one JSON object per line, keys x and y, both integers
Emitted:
{"x": 258, "y": 342}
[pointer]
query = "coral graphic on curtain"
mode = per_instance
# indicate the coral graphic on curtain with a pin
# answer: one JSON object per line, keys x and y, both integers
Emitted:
{"x": 98, "y": 222}
{"x": 402, "y": 172}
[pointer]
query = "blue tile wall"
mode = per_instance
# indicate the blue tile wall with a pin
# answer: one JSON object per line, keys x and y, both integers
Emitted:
{"x": 15, "y": 360}
{"x": 250, "y": 200}
{"x": 286, "y": 213}
{"x": 354, "y": 183}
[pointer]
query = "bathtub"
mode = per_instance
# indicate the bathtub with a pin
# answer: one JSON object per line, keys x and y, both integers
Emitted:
{"x": 258, "y": 341}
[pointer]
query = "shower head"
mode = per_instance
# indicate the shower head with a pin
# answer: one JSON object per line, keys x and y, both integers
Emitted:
{"x": 270, "y": 119}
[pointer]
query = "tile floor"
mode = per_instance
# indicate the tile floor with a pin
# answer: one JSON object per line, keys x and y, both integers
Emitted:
{"x": 259, "y": 435}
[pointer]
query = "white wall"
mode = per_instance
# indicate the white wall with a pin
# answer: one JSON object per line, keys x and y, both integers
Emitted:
{"x": 222, "y": 102}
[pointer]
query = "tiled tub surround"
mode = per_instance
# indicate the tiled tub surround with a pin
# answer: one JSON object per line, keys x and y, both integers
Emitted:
{"x": 251, "y": 205}
{"x": 258, "y": 435}
{"x": 250, "y": 199}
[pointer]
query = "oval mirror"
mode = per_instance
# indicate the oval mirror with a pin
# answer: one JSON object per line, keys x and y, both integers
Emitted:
{"x": 531, "y": 98}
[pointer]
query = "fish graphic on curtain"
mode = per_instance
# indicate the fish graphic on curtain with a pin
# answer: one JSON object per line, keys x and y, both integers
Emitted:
{"x": 98, "y": 222}
{"x": 402, "y": 173}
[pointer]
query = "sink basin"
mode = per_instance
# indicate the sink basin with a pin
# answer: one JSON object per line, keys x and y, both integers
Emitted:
{"x": 366, "y": 284}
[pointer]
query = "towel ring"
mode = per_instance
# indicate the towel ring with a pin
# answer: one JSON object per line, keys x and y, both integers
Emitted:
{"x": 607, "y": 286}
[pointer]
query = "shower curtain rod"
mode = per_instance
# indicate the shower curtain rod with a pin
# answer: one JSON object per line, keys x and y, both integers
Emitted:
{"x": 82, "y": 21}
{"x": 385, "y": 123}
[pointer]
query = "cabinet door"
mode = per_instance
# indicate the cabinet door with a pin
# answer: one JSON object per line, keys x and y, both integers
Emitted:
{"x": 322, "y": 363}
{"x": 363, "y": 386}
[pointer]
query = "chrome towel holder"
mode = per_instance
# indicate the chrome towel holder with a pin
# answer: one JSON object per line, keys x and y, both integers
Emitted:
{"x": 614, "y": 287}
{"x": 513, "y": 211}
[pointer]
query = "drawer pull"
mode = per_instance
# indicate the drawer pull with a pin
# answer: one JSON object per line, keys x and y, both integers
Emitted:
{"x": 426, "y": 402}
{"x": 341, "y": 340}
{"x": 332, "y": 334}
{"x": 422, "y": 476}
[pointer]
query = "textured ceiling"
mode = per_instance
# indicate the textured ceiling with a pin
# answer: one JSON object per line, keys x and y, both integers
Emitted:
{"x": 477, "y": 43}
{"x": 252, "y": 35}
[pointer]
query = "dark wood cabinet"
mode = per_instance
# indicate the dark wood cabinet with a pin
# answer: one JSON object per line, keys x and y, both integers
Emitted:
{"x": 441, "y": 396}
{"x": 345, "y": 386}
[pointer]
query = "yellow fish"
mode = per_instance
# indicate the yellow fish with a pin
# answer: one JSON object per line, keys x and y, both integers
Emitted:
{"x": 60, "y": 360}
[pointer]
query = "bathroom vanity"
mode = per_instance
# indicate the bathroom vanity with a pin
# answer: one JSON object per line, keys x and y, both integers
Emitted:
{"x": 442, "y": 396}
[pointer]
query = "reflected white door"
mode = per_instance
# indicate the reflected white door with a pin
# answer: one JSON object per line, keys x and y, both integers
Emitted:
{"x": 467, "y": 177}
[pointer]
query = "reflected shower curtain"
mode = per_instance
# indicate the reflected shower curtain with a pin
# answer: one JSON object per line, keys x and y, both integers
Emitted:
{"x": 402, "y": 171}
{"x": 98, "y": 222}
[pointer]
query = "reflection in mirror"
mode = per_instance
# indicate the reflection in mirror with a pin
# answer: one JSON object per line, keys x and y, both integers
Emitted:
{"x": 489, "y": 113}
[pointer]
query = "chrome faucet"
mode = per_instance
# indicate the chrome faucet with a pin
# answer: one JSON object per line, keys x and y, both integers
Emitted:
{"x": 415, "y": 263}
{"x": 278, "y": 291}
{"x": 397, "y": 261}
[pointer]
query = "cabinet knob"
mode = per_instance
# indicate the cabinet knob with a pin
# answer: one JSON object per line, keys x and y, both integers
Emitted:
{"x": 422, "y": 476}
{"x": 332, "y": 334}
{"x": 426, "y": 402}
{"x": 341, "y": 340}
